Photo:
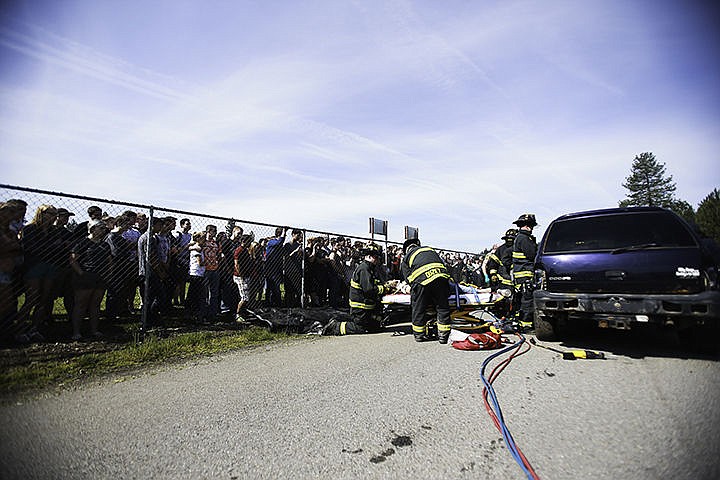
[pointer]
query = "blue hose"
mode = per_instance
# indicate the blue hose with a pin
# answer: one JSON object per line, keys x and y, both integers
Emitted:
{"x": 507, "y": 436}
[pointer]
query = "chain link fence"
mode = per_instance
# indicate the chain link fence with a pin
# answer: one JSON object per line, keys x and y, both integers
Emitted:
{"x": 79, "y": 259}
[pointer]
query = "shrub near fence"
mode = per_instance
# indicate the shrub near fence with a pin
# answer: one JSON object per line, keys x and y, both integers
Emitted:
{"x": 64, "y": 273}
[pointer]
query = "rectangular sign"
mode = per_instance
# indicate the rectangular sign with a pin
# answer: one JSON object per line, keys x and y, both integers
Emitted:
{"x": 411, "y": 232}
{"x": 378, "y": 227}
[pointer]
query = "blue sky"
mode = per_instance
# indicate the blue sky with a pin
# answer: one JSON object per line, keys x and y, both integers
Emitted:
{"x": 453, "y": 116}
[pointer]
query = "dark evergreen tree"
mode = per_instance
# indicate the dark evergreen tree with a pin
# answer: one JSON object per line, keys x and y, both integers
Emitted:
{"x": 647, "y": 184}
{"x": 684, "y": 209}
{"x": 708, "y": 215}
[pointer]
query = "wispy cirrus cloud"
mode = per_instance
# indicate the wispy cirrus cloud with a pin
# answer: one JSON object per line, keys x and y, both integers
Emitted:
{"x": 453, "y": 118}
{"x": 56, "y": 50}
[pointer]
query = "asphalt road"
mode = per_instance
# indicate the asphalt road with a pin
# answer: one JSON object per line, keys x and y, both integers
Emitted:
{"x": 379, "y": 406}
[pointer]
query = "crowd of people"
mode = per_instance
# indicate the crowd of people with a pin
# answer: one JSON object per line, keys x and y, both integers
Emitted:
{"x": 108, "y": 266}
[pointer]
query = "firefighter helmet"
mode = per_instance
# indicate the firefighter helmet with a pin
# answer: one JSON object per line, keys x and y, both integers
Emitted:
{"x": 510, "y": 234}
{"x": 526, "y": 219}
{"x": 371, "y": 250}
{"x": 410, "y": 241}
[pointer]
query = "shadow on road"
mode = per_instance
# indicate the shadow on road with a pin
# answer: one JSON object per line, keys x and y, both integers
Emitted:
{"x": 399, "y": 329}
{"x": 641, "y": 343}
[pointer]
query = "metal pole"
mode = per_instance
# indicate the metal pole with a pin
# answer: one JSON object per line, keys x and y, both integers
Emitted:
{"x": 387, "y": 257}
{"x": 146, "y": 286}
{"x": 302, "y": 280}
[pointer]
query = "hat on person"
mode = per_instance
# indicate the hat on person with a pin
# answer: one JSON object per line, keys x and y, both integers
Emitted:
{"x": 371, "y": 250}
{"x": 510, "y": 234}
{"x": 526, "y": 219}
{"x": 410, "y": 241}
{"x": 96, "y": 223}
{"x": 64, "y": 211}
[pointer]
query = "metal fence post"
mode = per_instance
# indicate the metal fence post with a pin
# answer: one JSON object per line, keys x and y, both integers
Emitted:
{"x": 302, "y": 269}
{"x": 146, "y": 284}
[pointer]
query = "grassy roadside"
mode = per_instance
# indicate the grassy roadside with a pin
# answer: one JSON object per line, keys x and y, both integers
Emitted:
{"x": 37, "y": 374}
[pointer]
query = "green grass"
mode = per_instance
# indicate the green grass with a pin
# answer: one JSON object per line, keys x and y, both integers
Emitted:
{"x": 37, "y": 369}
{"x": 152, "y": 351}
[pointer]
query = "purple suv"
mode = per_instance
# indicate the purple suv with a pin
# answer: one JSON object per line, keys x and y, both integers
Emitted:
{"x": 623, "y": 268}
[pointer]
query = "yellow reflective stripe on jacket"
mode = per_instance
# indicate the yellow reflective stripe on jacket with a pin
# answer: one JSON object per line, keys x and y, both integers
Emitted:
{"x": 426, "y": 269}
{"x": 433, "y": 277}
{"x": 519, "y": 255}
{"x": 414, "y": 254}
{"x": 523, "y": 274}
{"x": 364, "y": 306}
{"x": 494, "y": 257}
{"x": 357, "y": 286}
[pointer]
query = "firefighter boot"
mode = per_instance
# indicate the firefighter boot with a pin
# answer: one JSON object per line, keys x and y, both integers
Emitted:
{"x": 420, "y": 333}
{"x": 443, "y": 333}
{"x": 526, "y": 327}
{"x": 332, "y": 328}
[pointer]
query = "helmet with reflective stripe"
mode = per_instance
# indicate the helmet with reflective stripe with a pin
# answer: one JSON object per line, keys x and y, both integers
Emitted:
{"x": 410, "y": 241}
{"x": 510, "y": 234}
{"x": 371, "y": 250}
{"x": 526, "y": 219}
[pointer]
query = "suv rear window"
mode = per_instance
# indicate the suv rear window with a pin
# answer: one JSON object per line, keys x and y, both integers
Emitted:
{"x": 614, "y": 231}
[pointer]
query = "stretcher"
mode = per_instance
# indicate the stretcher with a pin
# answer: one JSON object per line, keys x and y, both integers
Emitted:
{"x": 471, "y": 307}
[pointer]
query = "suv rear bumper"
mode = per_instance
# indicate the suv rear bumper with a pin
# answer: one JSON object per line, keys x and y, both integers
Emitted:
{"x": 649, "y": 308}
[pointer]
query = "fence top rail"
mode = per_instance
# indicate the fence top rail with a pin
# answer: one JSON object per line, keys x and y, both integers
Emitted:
{"x": 204, "y": 215}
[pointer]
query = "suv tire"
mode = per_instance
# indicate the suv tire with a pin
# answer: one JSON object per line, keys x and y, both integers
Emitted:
{"x": 544, "y": 327}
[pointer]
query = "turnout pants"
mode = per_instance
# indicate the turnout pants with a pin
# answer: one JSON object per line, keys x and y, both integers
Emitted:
{"x": 524, "y": 301}
{"x": 421, "y": 297}
{"x": 363, "y": 321}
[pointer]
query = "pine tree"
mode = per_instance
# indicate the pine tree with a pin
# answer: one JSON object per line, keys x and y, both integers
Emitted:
{"x": 647, "y": 184}
{"x": 708, "y": 215}
{"x": 684, "y": 209}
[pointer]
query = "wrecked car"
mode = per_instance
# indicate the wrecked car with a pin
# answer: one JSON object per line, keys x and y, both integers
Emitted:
{"x": 624, "y": 268}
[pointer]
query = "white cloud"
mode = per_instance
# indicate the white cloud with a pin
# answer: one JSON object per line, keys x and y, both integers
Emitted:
{"x": 453, "y": 119}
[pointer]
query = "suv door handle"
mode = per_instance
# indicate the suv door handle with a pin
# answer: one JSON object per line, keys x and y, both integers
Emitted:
{"x": 615, "y": 275}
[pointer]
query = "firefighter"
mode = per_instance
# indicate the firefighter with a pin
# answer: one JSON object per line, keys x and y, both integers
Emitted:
{"x": 499, "y": 262}
{"x": 366, "y": 292}
{"x": 427, "y": 275}
{"x": 523, "y": 263}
